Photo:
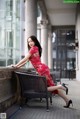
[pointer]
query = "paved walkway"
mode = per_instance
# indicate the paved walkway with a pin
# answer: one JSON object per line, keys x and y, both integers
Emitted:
{"x": 37, "y": 109}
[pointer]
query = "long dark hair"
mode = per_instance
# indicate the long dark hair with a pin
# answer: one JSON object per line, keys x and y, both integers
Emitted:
{"x": 35, "y": 40}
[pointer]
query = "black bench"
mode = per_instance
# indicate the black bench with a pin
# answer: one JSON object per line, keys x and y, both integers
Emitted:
{"x": 34, "y": 86}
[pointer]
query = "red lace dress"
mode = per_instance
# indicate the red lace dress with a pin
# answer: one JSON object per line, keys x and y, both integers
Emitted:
{"x": 41, "y": 68}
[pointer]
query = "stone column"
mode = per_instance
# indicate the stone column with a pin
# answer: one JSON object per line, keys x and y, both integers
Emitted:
{"x": 39, "y": 33}
{"x": 50, "y": 49}
{"x": 22, "y": 27}
{"x": 44, "y": 41}
{"x": 30, "y": 21}
{"x": 14, "y": 30}
{"x": 78, "y": 40}
{"x": 30, "y": 18}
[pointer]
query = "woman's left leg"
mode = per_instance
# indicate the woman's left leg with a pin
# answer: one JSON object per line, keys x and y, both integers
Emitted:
{"x": 62, "y": 95}
{"x": 68, "y": 101}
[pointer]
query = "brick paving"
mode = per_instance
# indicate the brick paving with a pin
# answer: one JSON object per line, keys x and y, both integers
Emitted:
{"x": 37, "y": 110}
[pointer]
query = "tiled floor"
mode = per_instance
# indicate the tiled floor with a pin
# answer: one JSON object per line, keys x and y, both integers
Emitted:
{"x": 37, "y": 109}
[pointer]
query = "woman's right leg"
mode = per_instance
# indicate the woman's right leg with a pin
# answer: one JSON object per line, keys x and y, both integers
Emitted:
{"x": 51, "y": 83}
{"x": 60, "y": 91}
{"x": 53, "y": 88}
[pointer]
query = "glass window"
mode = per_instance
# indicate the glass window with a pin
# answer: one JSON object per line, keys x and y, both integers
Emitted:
{"x": 65, "y": 37}
{"x": 9, "y": 37}
{"x": 9, "y": 4}
{"x": 9, "y": 32}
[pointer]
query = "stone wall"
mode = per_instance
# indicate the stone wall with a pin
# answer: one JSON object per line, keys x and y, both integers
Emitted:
{"x": 9, "y": 88}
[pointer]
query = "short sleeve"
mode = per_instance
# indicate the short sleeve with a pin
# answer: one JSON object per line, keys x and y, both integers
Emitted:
{"x": 33, "y": 50}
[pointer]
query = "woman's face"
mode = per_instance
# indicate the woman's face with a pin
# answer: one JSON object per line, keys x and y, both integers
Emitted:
{"x": 31, "y": 42}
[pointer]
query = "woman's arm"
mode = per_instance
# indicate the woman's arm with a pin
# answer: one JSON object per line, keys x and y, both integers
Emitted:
{"x": 20, "y": 65}
{"x": 23, "y": 61}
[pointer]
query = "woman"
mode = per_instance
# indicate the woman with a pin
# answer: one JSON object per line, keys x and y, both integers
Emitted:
{"x": 34, "y": 55}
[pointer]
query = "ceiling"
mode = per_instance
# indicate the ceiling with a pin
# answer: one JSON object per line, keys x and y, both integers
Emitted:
{"x": 61, "y": 13}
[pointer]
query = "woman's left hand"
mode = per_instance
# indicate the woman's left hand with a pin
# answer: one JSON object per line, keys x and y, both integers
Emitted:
{"x": 14, "y": 66}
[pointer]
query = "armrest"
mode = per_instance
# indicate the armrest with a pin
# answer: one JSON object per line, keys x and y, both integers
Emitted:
{"x": 34, "y": 75}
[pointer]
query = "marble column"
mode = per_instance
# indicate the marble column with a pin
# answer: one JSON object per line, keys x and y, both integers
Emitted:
{"x": 39, "y": 33}
{"x": 30, "y": 21}
{"x": 30, "y": 18}
{"x": 50, "y": 60}
{"x": 22, "y": 27}
{"x": 78, "y": 40}
{"x": 14, "y": 30}
{"x": 44, "y": 41}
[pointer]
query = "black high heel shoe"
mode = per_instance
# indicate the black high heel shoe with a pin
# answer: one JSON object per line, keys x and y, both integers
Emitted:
{"x": 66, "y": 88}
{"x": 68, "y": 104}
